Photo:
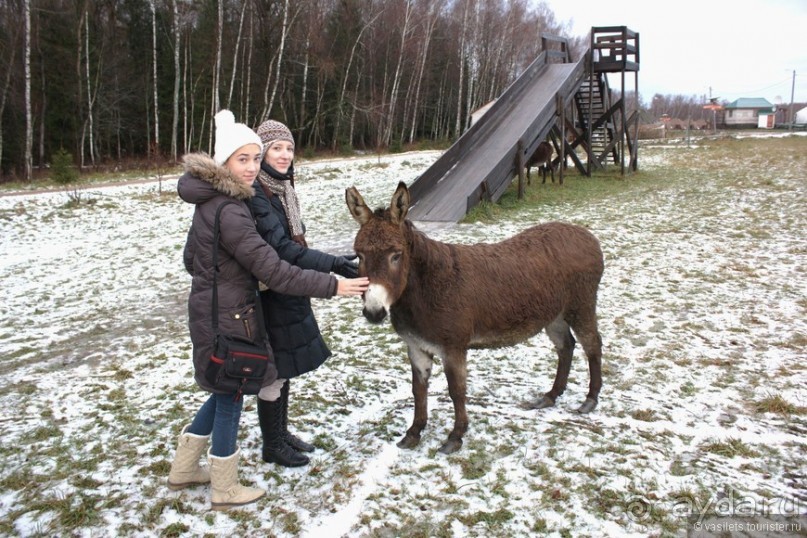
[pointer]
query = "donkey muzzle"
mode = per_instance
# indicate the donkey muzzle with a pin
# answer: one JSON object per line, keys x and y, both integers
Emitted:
{"x": 376, "y": 303}
{"x": 374, "y": 315}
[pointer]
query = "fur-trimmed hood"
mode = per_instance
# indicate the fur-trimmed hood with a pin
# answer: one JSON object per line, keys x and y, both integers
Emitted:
{"x": 204, "y": 179}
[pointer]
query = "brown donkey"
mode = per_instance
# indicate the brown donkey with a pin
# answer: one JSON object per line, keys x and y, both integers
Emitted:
{"x": 444, "y": 299}
{"x": 542, "y": 157}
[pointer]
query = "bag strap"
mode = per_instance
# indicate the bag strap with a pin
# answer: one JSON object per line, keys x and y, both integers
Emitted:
{"x": 215, "y": 300}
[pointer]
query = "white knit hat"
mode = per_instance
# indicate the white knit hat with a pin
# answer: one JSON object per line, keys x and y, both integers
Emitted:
{"x": 230, "y": 136}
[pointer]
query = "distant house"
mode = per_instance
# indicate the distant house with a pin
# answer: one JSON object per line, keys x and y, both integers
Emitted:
{"x": 745, "y": 112}
{"x": 801, "y": 117}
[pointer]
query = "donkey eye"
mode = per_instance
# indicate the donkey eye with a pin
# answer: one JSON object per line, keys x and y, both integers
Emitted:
{"x": 395, "y": 258}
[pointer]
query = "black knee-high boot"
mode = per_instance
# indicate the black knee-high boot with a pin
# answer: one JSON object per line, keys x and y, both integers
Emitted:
{"x": 291, "y": 439}
{"x": 275, "y": 448}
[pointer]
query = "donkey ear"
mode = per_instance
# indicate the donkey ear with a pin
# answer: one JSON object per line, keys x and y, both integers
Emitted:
{"x": 400, "y": 203}
{"x": 358, "y": 209}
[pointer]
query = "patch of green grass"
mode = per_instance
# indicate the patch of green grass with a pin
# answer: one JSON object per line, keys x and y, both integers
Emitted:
{"x": 42, "y": 433}
{"x": 775, "y": 403}
{"x": 475, "y": 464}
{"x": 490, "y": 519}
{"x": 730, "y": 448}
{"x": 78, "y": 510}
{"x": 174, "y": 530}
{"x": 158, "y": 506}
{"x": 290, "y": 522}
{"x": 687, "y": 389}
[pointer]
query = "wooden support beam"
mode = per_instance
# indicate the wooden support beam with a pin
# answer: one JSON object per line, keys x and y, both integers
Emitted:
{"x": 520, "y": 168}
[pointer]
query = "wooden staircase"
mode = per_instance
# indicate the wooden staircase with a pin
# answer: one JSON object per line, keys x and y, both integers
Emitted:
{"x": 593, "y": 100}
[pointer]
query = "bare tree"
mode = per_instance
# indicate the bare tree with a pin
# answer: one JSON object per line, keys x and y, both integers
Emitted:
{"x": 175, "y": 115}
{"x": 396, "y": 79}
{"x": 458, "y": 126}
{"x": 269, "y": 101}
{"x": 153, "y": 5}
{"x": 90, "y": 123}
{"x": 340, "y": 104}
{"x": 431, "y": 21}
{"x": 235, "y": 54}
{"x": 29, "y": 125}
{"x": 246, "y": 86}
{"x": 216, "y": 72}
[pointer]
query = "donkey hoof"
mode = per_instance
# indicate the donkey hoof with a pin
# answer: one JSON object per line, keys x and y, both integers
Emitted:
{"x": 450, "y": 446}
{"x": 588, "y": 406}
{"x": 409, "y": 442}
{"x": 542, "y": 403}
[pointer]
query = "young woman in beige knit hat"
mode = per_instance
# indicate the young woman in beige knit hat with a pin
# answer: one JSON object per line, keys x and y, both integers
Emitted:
{"x": 290, "y": 323}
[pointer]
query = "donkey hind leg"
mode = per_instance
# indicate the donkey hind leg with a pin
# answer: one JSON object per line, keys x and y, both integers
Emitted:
{"x": 457, "y": 375}
{"x": 585, "y": 328}
{"x": 421, "y": 372}
{"x": 560, "y": 335}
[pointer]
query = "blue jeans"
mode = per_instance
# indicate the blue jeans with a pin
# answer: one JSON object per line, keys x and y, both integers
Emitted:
{"x": 219, "y": 416}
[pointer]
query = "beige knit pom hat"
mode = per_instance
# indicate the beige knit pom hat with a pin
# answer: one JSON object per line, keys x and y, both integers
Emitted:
{"x": 272, "y": 130}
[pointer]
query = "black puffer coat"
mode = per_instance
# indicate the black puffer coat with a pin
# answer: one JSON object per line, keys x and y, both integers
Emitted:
{"x": 293, "y": 330}
{"x": 243, "y": 257}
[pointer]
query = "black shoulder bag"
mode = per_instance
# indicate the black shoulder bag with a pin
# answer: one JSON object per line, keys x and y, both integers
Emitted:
{"x": 238, "y": 364}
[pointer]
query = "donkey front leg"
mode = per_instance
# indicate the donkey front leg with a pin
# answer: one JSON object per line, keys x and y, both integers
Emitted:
{"x": 421, "y": 372}
{"x": 457, "y": 376}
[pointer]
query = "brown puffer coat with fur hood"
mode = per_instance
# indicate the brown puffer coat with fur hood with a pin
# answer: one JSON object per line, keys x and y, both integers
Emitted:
{"x": 243, "y": 257}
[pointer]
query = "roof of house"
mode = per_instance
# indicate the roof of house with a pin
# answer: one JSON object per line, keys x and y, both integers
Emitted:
{"x": 751, "y": 102}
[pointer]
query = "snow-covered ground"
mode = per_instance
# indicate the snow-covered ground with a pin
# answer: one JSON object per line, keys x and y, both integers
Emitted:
{"x": 703, "y": 313}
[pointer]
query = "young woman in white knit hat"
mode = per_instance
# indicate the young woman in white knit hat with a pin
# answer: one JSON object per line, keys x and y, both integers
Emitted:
{"x": 293, "y": 332}
{"x": 225, "y": 182}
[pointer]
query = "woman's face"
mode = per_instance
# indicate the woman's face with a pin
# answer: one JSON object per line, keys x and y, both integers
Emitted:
{"x": 279, "y": 155}
{"x": 245, "y": 163}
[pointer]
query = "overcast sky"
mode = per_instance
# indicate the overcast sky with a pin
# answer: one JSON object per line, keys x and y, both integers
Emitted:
{"x": 744, "y": 48}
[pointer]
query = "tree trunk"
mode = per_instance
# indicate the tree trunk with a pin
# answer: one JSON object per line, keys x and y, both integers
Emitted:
{"x": 396, "y": 79}
{"x": 458, "y": 124}
{"x": 341, "y": 101}
{"x": 89, "y": 88}
{"x": 245, "y": 88}
{"x": 29, "y": 126}
{"x": 430, "y": 25}
{"x": 216, "y": 74}
{"x": 304, "y": 89}
{"x": 268, "y": 104}
{"x": 235, "y": 54}
{"x": 155, "y": 80}
{"x": 175, "y": 112}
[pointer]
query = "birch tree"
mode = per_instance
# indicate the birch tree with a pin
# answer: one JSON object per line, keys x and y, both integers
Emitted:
{"x": 235, "y": 54}
{"x": 269, "y": 101}
{"x": 90, "y": 123}
{"x": 29, "y": 125}
{"x": 431, "y": 21}
{"x": 153, "y": 5}
{"x": 175, "y": 111}
{"x": 458, "y": 124}
{"x": 214, "y": 105}
{"x": 341, "y": 102}
{"x": 396, "y": 79}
